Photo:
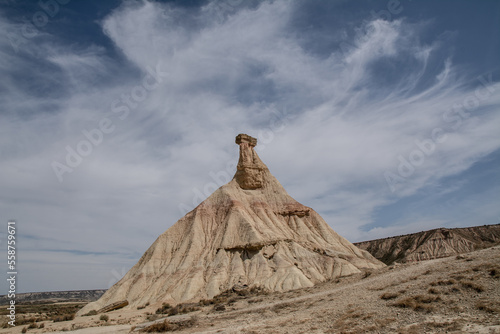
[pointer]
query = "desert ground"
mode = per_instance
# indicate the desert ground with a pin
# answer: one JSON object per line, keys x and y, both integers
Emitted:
{"x": 459, "y": 294}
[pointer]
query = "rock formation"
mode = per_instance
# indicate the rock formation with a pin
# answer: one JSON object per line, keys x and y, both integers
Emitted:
{"x": 248, "y": 232}
{"x": 432, "y": 244}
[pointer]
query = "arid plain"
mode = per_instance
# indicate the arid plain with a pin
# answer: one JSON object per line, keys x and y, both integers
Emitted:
{"x": 457, "y": 294}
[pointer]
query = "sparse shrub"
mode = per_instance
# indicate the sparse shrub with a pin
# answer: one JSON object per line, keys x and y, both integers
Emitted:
{"x": 104, "y": 317}
{"x": 231, "y": 295}
{"x": 471, "y": 285}
{"x": 426, "y": 298}
{"x": 143, "y": 306}
{"x": 165, "y": 307}
{"x": 205, "y": 302}
{"x": 450, "y": 281}
{"x": 234, "y": 299}
{"x": 389, "y": 295}
{"x": 32, "y": 325}
{"x": 92, "y": 312}
{"x": 42, "y": 325}
{"x": 25, "y": 329}
{"x": 152, "y": 317}
{"x": 458, "y": 277}
{"x": 276, "y": 308}
{"x": 366, "y": 274}
{"x": 255, "y": 300}
{"x": 65, "y": 317}
{"x": 220, "y": 308}
{"x": 166, "y": 326}
{"x": 159, "y": 327}
{"x": 178, "y": 309}
{"x": 26, "y": 320}
{"x": 417, "y": 303}
{"x": 488, "y": 306}
{"x": 173, "y": 311}
{"x": 384, "y": 322}
{"x": 449, "y": 325}
{"x": 433, "y": 291}
{"x": 352, "y": 322}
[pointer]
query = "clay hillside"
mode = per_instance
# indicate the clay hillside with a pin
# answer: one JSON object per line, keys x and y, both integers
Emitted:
{"x": 248, "y": 233}
{"x": 432, "y": 244}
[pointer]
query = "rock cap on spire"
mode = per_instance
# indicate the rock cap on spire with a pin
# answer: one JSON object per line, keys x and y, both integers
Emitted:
{"x": 244, "y": 138}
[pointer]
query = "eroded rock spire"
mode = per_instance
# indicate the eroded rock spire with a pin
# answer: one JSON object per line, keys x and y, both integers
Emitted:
{"x": 261, "y": 237}
{"x": 251, "y": 170}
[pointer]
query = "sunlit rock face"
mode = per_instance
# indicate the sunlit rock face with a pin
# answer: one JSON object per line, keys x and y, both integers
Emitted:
{"x": 248, "y": 232}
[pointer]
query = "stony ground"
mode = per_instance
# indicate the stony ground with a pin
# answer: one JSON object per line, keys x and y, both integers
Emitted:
{"x": 451, "y": 295}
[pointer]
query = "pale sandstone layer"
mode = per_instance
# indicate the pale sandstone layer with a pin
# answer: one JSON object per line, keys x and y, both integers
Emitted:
{"x": 248, "y": 232}
{"x": 432, "y": 244}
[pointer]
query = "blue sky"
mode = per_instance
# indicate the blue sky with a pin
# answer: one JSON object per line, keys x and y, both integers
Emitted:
{"x": 118, "y": 117}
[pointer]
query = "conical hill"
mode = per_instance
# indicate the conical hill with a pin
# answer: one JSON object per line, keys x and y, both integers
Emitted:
{"x": 248, "y": 232}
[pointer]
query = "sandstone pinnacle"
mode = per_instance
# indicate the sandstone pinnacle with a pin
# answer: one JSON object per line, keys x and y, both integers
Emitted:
{"x": 250, "y": 170}
{"x": 248, "y": 232}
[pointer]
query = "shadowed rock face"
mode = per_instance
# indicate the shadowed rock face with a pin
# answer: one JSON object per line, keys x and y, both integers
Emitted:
{"x": 432, "y": 244}
{"x": 248, "y": 232}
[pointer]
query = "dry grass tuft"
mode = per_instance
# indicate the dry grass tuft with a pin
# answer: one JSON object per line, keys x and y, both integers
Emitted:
{"x": 65, "y": 317}
{"x": 92, "y": 312}
{"x": 418, "y": 302}
{"x": 389, "y": 295}
{"x": 277, "y": 308}
{"x": 450, "y": 281}
{"x": 471, "y": 285}
{"x": 384, "y": 322}
{"x": 447, "y": 325}
{"x": 488, "y": 306}
{"x": 178, "y": 309}
{"x": 143, "y": 306}
{"x": 167, "y": 326}
{"x": 357, "y": 321}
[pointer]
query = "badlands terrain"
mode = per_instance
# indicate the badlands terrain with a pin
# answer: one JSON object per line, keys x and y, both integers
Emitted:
{"x": 251, "y": 259}
{"x": 432, "y": 244}
{"x": 457, "y": 294}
